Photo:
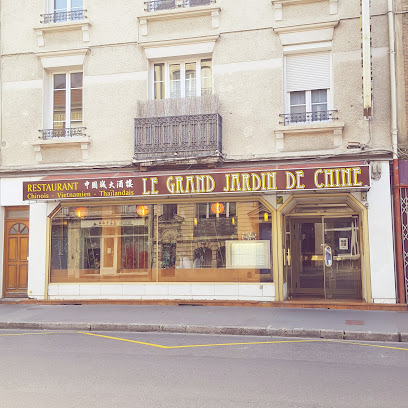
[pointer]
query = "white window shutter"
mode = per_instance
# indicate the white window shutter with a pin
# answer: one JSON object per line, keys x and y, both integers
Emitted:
{"x": 308, "y": 71}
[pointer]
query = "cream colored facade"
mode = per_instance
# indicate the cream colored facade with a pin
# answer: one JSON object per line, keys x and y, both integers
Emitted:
{"x": 254, "y": 47}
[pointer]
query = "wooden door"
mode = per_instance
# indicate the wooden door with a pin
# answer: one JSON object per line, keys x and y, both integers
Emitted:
{"x": 16, "y": 262}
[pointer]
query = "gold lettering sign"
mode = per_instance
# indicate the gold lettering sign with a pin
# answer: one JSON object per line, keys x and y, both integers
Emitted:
{"x": 223, "y": 181}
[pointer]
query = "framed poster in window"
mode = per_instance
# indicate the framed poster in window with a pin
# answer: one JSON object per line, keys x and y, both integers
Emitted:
{"x": 254, "y": 254}
{"x": 343, "y": 244}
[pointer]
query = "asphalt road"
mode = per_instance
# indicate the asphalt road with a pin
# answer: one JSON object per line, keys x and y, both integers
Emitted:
{"x": 69, "y": 369}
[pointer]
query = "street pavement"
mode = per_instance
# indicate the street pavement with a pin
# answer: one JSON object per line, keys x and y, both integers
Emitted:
{"x": 72, "y": 369}
{"x": 365, "y": 325}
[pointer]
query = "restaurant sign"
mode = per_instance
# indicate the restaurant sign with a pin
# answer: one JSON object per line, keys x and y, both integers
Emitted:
{"x": 214, "y": 182}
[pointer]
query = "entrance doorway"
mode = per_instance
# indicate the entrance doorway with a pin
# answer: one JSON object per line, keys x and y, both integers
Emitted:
{"x": 323, "y": 256}
{"x": 16, "y": 258}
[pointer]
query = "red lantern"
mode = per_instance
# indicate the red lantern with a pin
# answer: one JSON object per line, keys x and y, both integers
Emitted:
{"x": 142, "y": 210}
{"x": 81, "y": 212}
{"x": 217, "y": 208}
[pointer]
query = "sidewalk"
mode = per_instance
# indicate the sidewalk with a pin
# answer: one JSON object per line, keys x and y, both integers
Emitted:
{"x": 255, "y": 321}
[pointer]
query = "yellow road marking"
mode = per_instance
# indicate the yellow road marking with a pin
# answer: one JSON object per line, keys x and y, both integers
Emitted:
{"x": 214, "y": 344}
{"x": 243, "y": 344}
{"x": 129, "y": 341}
{"x": 28, "y": 334}
{"x": 365, "y": 344}
{"x": 198, "y": 345}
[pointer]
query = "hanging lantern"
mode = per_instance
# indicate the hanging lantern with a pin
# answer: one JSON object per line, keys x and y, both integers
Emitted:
{"x": 266, "y": 216}
{"x": 81, "y": 212}
{"x": 233, "y": 220}
{"x": 195, "y": 222}
{"x": 217, "y": 208}
{"x": 142, "y": 210}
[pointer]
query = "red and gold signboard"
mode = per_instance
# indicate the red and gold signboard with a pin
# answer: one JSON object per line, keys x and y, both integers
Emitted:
{"x": 225, "y": 181}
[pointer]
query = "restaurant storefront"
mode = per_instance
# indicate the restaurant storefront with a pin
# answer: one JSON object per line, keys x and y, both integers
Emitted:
{"x": 260, "y": 234}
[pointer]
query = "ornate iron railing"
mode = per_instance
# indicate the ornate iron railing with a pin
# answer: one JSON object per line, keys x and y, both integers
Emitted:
{"x": 178, "y": 136}
{"x": 155, "y": 5}
{"x": 160, "y": 5}
{"x": 308, "y": 117}
{"x": 61, "y": 16}
{"x": 47, "y": 134}
{"x": 404, "y": 230}
{"x": 194, "y": 3}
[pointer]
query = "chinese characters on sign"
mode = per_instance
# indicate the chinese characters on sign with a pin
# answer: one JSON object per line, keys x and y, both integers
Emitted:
{"x": 251, "y": 180}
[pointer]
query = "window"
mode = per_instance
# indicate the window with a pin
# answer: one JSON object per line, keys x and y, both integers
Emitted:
{"x": 116, "y": 243}
{"x": 67, "y": 100}
{"x": 65, "y": 10}
{"x": 306, "y": 106}
{"x": 182, "y": 79}
{"x": 308, "y": 87}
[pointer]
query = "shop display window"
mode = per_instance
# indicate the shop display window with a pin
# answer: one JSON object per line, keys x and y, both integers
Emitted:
{"x": 172, "y": 242}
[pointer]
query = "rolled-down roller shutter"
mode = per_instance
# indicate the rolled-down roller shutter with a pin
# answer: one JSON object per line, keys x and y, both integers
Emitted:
{"x": 308, "y": 71}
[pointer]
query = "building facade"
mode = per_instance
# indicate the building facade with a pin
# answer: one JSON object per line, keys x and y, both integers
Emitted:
{"x": 401, "y": 154}
{"x": 197, "y": 150}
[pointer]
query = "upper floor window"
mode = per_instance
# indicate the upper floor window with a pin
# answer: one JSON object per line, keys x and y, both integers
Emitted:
{"x": 308, "y": 88}
{"x": 182, "y": 79}
{"x": 67, "y": 100}
{"x": 64, "y": 10}
{"x": 308, "y": 106}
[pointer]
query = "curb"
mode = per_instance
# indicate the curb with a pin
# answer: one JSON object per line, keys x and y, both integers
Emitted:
{"x": 225, "y": 330}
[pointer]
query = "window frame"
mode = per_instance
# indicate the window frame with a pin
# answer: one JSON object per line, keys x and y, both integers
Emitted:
{"x": 308, "y": 92}
{"x": 50, "y": 115}
{"x": 52, "y": 9}
{"x": 182, "y": 62}
{"x": 308, "y": 105}
{"x": 64, "y": 15}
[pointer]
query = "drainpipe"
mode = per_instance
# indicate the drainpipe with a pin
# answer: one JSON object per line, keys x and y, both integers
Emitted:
{"x": 396, "y": 182}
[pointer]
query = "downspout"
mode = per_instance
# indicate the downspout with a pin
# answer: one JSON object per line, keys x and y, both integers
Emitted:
{"x": 396, "y": 182}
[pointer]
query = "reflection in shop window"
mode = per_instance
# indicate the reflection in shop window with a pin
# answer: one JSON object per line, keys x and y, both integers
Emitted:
{"x": 172, "y": 242}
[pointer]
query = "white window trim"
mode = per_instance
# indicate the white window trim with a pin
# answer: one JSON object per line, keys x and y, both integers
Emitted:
{"x": 330, "y": 99}
{"x": 278, "y": 5}
{"x": 182, "y": 63}
{"x": 58, "y": 62}
{"x": 196, "y": 46}
{"x": 309, "y": 105}
{"x": 212, "y": 11}
{"x": 63, "y": 26}
{"x": 50, "y": 6}
{"x": 54, "y": 62}
{"x": 67, "y": 98}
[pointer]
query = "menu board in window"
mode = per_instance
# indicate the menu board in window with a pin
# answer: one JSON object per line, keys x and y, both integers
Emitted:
{"x": 254, "y": 254}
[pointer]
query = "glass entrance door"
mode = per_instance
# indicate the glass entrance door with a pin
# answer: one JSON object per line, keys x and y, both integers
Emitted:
{"x": 343, "y": 273}
{"x": 323, "y": 257}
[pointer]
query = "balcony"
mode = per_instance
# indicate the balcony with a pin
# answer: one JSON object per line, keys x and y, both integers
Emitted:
{"x": 49, "y": 134}
{"x": 63, "y": 16}
{"x": 309, "y": 123}
{"x": 62, "y": 22}
{"x": 178, "y": 137}
{"x": 157, "y": 5}
{"x": 66, "y": 138}
{"x": 308, "y": 117}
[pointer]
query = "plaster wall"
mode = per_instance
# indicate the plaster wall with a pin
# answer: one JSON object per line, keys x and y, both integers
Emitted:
{"x": 381, "y": 238}
{"x": 37, "y": 255}
{"x": 248, "y": 76}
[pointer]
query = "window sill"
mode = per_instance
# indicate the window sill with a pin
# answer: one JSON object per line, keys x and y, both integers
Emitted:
{"x": 61, "y": 27}
{"x": 65, "y": 142}
{"x": 335, "y": 127}
{"x": 212, "y": 11}
{"x": 278, "y": 4}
